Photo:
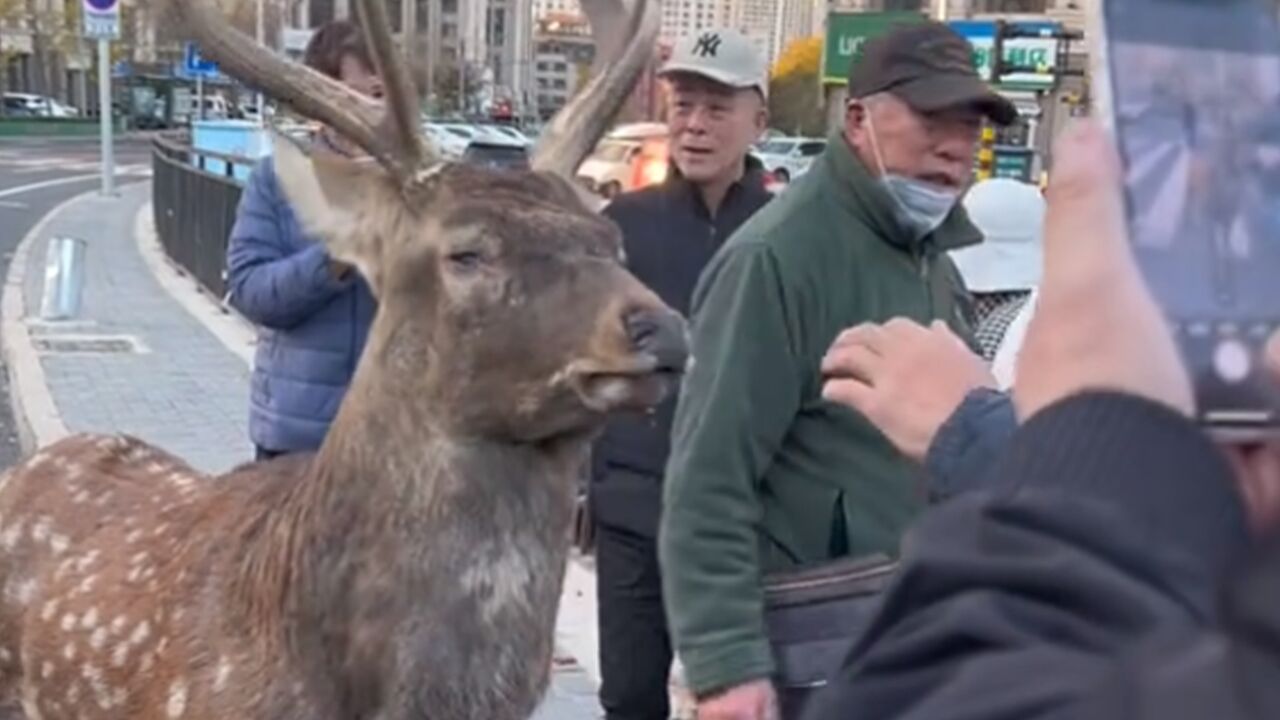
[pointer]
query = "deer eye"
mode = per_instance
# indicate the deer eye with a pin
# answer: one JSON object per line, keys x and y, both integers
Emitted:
{"x": 465, "y": 259}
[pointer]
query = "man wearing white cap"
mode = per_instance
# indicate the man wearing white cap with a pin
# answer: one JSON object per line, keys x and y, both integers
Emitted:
{"x": 716, "y": 83}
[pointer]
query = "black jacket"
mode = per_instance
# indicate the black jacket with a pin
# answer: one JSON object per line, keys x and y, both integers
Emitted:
{"x": 1095, "y": 574}
{"x": 669, "y": 237}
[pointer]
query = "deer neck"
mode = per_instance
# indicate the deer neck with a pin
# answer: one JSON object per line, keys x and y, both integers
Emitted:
{"x": 391, "y": 504}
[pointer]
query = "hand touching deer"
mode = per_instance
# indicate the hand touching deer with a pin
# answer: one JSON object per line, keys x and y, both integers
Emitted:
{"x": 412, "y": 567}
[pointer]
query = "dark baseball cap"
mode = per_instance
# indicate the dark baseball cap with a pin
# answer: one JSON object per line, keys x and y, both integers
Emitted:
{"x": 930, "y": 68}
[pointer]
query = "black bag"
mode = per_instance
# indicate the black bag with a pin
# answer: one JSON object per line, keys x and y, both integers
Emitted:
{"x": 814, "y": 615}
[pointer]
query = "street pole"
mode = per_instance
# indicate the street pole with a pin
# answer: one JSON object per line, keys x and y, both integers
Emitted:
{"x": 104, "y": 115}
{"x": 262, "y": 40}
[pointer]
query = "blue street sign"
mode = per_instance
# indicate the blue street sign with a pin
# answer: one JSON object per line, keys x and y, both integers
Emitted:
{"x": 195, "y": 66}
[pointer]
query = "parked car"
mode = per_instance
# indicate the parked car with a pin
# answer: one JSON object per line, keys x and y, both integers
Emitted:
{"x": 630, "y": 157}
{"x": 28, "y": 105}
{"x": 497, "y": 153}
{"x": 451, "y": 138}
{"x": 789, "y": 157}
{"x": 507, "y": 131}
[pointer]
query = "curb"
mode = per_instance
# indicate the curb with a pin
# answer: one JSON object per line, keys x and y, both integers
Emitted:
{"x": 35, "y": 414}
{"x": 230, "y": 328}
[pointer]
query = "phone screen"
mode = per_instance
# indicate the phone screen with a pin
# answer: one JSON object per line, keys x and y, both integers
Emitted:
{"x": 1195, "y": 97}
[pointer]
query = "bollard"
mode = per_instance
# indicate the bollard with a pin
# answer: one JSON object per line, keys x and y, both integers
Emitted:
{"x": 63, "y": 279}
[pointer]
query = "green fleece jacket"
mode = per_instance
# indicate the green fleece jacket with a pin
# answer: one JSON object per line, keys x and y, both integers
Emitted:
{"x": 764, "y": 474}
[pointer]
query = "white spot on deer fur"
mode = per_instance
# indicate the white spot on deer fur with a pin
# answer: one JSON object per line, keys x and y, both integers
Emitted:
{"x": 86, "y": 560}
{"x": 59, "y": 543}
{"x": 90, "y": 619}
{"x": 37, "y": 460}
{"x": 46, "y": 670}
{"x": 148, "y": 659}
{"x": 224, "y": 672}
{"x": 99, "y": 638}
{"x": 69, "y": 651}
{"x": 120, "y": 655}
{"x": 177, "y": 704}
{"x": 5, "y": 655}
{"x": 117, "y": 625}
{"x": 86, "y": 585}
{"x": 140, "y": 633}
{"x": 139, "y": 558}
{"x": 81, "y": 497}
{"x": 133, "y": 536}
{"x": 49, "y": 610}
{"x": 40, "y": 531}
{"x": 21, "y": 592}
{"x": 11, "y": 536}
{"x": 68, "y": 622}
{"x": 154, "y": 467}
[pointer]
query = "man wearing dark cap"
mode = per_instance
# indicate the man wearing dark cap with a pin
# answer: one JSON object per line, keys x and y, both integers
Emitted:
{"x": 765, "y": 475}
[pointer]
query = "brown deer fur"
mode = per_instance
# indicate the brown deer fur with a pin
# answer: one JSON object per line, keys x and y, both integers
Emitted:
{"x": 411, "y": 568}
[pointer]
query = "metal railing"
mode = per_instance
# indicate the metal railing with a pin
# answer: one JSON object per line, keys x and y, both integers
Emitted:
{"x": 195, "y": 208}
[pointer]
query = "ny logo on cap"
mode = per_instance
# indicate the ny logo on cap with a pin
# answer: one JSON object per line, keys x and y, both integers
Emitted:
{"x": 708, "y": 45}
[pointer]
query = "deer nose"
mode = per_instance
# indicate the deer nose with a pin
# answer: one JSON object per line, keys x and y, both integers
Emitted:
{"x": 661, "y": 334}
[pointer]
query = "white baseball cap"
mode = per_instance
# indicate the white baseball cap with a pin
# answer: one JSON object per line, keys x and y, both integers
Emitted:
{"x": 1010, "y": 215}
{"x": 723, "y": 55}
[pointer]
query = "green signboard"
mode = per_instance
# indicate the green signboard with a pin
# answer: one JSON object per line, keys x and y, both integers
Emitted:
{"x": 846, "y": 32}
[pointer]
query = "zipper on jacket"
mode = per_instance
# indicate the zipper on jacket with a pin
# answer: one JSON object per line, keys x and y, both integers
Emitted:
{"x": 922, "y": 258}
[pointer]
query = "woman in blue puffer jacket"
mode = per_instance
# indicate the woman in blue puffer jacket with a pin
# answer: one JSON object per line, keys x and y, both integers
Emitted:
{"x": 313, "y": 312}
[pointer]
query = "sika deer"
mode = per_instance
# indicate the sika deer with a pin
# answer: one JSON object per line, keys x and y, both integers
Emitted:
{"x": 412, "y": 567}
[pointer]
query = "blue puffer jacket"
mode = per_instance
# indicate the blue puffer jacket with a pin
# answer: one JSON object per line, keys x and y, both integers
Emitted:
{"x": 312, "y": 326}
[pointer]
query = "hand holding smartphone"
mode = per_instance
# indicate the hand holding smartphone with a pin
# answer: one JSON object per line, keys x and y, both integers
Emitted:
{"x": 1190, "y": 90}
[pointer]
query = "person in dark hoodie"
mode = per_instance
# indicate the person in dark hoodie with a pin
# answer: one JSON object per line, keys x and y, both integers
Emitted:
{"x": 313, "y": 313}
{"x": 1115, "y": 563}
{"x": 717, "y": 82}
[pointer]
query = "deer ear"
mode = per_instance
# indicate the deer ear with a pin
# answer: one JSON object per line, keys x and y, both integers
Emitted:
{"x": 335, "y": 198}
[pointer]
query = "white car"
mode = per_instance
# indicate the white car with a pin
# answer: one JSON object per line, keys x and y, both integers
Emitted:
{"x": 507, "y": 132}
{"x": 28, "y": 105}
{"x": 451, "y": 138}
{"x": 788, "y": 158}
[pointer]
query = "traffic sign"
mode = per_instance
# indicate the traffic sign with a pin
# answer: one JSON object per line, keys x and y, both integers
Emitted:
{"x": 101, "y": 19}
{"x": 195, "y": 66}
{"x": 1037, "y": 48}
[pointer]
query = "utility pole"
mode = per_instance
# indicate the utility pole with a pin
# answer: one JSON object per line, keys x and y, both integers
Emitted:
{"x": 102, "y": 23}
{"x": 409, "y": 31}
{"x": 104, "y": 112}
{"x": 433, "y": 45}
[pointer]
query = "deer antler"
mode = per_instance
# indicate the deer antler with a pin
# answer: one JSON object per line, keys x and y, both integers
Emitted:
{"x": 389, "y": 134}
{"x": 580, "y": 124}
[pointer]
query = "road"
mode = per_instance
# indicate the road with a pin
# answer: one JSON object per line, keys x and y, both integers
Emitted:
{"x": 36, "y": 175}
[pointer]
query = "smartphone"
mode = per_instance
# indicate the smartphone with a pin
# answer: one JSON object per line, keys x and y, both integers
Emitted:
{"x": 1190, "y": 90}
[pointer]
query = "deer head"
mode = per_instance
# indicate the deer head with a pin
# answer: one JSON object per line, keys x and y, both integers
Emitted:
{"x": 502, "y": 295}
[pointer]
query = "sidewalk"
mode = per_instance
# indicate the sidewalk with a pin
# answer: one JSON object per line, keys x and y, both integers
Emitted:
{"x": 151, "y": 357}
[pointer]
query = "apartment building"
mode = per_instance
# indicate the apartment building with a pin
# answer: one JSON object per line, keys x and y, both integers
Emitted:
{"x": 545, "y": 8}
{"x": 563, "y": 53}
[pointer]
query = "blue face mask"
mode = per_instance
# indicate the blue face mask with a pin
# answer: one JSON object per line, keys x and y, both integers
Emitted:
{"x": 921, "y": 207}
